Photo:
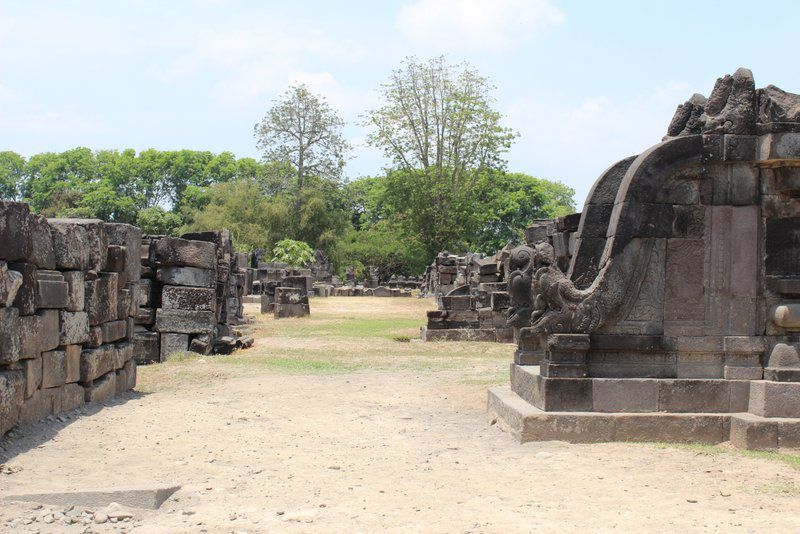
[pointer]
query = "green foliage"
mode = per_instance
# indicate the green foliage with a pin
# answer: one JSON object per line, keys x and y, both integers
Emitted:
{"x": 239, "y": 206}
{"x": 12, "y": 170}
{"x": 158, "y": 221}
{"x": 438, "y": 126}
{"x": 384, "y": 245}
{"x": 294, "y": 253}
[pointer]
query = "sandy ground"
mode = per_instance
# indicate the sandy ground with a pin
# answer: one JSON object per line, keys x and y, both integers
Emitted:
{"x": 375, "y": 450}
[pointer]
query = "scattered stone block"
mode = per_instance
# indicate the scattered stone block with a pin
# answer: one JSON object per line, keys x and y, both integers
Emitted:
{"x": 172, "y": 344}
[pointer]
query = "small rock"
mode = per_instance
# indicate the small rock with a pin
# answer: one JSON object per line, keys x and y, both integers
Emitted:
{"x": 100, "y": 518}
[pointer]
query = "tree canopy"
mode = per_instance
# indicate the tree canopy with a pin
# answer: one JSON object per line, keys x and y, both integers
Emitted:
{"x": 446, "y": 187}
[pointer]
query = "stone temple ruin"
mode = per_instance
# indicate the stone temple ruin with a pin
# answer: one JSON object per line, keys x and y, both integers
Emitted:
{"x": 281, "y": 290}
{"x": 190, "y": 295}
{"x": 68, "y": 298}
{"x": 83, "y": 301}
{"x": 677, "y": 317}
{"x": 472, "y": 298}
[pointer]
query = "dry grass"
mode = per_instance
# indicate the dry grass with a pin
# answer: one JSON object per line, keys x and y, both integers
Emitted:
{"x": 342, "y": 335}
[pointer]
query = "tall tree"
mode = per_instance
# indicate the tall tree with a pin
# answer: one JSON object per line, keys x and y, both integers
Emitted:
{"x": 301, "y": 129}
{"x": 438, "y": 127}
{"x": 12, "y": 172}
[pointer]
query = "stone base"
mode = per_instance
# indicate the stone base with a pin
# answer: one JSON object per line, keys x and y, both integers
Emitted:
{"x": 495, "y": 335}
{"x": 629, "y": 395}
{"x": 602, "y": 410}
{"x": 528, "y": 423}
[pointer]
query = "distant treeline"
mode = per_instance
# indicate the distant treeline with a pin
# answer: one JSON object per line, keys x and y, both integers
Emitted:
{"x": 389, "y": 221}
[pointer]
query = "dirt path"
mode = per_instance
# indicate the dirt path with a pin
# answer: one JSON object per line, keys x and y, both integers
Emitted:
{"x": 373, "y": 450}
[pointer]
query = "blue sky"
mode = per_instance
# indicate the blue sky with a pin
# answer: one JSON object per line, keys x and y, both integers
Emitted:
{"x": 585, "y": 83}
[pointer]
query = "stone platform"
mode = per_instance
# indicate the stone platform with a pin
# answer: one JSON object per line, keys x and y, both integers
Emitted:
{"x": 597, "y": 410}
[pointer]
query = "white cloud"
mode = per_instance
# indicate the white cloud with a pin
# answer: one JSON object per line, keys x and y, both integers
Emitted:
{"x": 251, "y": 62}
{"x": 476, "y": 25}
{"x": 588, "y": 136}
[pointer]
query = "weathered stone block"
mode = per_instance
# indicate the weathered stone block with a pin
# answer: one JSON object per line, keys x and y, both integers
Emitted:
{"x": 29, "y": 328}
{"x": 79, "y": 244}
{"x": 33, "y": 375}
{"x": 187, "y": 276}
{"x": 145, "y": 316}
{"x": 12, "y": 394}
{"x": 174, "y": 251}
{"x": 188, "y": 298}
{"x": 699, "y": 396}
{"x": 52, "y": 294}
{"x": 102, "y": 389}
{"x": 75, "y": 290}
{"x": 25, "y": 300}
{"x": 95, "y": 337}
{"x": 753, "y": 433}
{"x": 283, "y": 311}
{"x": 625, "y": 395}
{"x": 74, "y": 328}
{"x": 146, "y": 347}
{"x": 16, "y": 221}
{"x": 116, "y": 259}
{"x": 49, "y": 337}
{"x": 96, "y": 362}
{"x": 73, "y": 358}
{"x": 9, "y": 335}
{"x": 72, "y": 396}
{"x": 130, "y": 237}
{"x": 114, "y": 330}
{"x": 172, "y": 344}
{"x": 184, "y": 321}
{"x": 54, "y": 368}
{"x": 101, "y": 298}
{"x": 775, "y": 399}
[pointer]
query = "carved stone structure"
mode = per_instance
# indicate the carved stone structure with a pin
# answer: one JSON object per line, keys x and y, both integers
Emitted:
{"x": 67, "y": 301}
{"x": 477, "y": 308}
{"x": 677, "y": 316}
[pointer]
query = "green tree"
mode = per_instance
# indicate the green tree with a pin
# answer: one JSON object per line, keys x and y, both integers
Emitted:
{"x": 438, "y": 127}
{"x": 155, "y": 220}
{"x": 295, "y": 254}
{"x": 506, "y": 203}
{"x": 240, "y": 206}
{"x": 303, "y": 131}
{"x": 12, "y": 172}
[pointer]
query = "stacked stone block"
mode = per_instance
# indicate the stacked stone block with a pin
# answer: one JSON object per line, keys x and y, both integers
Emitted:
{"x": 475, "y": 310}
{"x": 67, "y": 305}
{"x": 191, "y": 294}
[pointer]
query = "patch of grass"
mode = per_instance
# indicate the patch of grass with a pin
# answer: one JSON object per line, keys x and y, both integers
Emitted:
{"x": 792, "y": 460}
{"x": 779, "y": 489}
{"x": 342, "y": 335}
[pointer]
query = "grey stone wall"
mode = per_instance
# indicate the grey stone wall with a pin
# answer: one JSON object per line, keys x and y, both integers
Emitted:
{"x": 68, "y": 298}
